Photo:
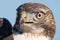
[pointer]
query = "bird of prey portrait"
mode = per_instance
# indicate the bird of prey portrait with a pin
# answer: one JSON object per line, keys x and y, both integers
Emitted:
{"x": 34, "y": 21}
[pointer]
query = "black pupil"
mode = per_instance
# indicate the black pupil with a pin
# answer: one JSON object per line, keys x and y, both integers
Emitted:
{"x": 39, "y": 15}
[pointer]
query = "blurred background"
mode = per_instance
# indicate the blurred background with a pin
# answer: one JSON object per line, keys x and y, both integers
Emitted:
{"x": 8, "y": 10}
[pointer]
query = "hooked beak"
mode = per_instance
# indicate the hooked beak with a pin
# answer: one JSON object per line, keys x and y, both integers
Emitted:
{"x": 25, "y": 19}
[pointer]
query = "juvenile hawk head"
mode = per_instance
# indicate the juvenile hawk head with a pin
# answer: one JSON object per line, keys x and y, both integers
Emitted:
{"x": 35, "y": 18}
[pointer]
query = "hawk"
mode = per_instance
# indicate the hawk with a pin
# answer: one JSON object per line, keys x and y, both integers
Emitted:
{"x": 34, "y": 21}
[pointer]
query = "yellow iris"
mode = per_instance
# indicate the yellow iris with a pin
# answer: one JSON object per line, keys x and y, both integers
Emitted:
{"x": 39, "y": 15}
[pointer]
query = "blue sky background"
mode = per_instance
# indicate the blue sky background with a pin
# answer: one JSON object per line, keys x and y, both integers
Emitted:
{"x": 8, "y": 10}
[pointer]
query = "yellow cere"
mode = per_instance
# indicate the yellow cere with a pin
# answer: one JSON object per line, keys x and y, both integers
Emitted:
{"x": 24, "y": 16}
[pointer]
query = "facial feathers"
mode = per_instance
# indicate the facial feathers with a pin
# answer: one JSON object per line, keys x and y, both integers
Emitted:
{"x": 35, "y": 18}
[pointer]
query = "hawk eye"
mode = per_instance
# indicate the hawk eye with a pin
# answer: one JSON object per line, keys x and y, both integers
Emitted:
{"x": 39, "y": 15}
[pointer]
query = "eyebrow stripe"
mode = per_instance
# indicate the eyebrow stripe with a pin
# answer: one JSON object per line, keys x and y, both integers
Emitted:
{"x": 38, "y": 12}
